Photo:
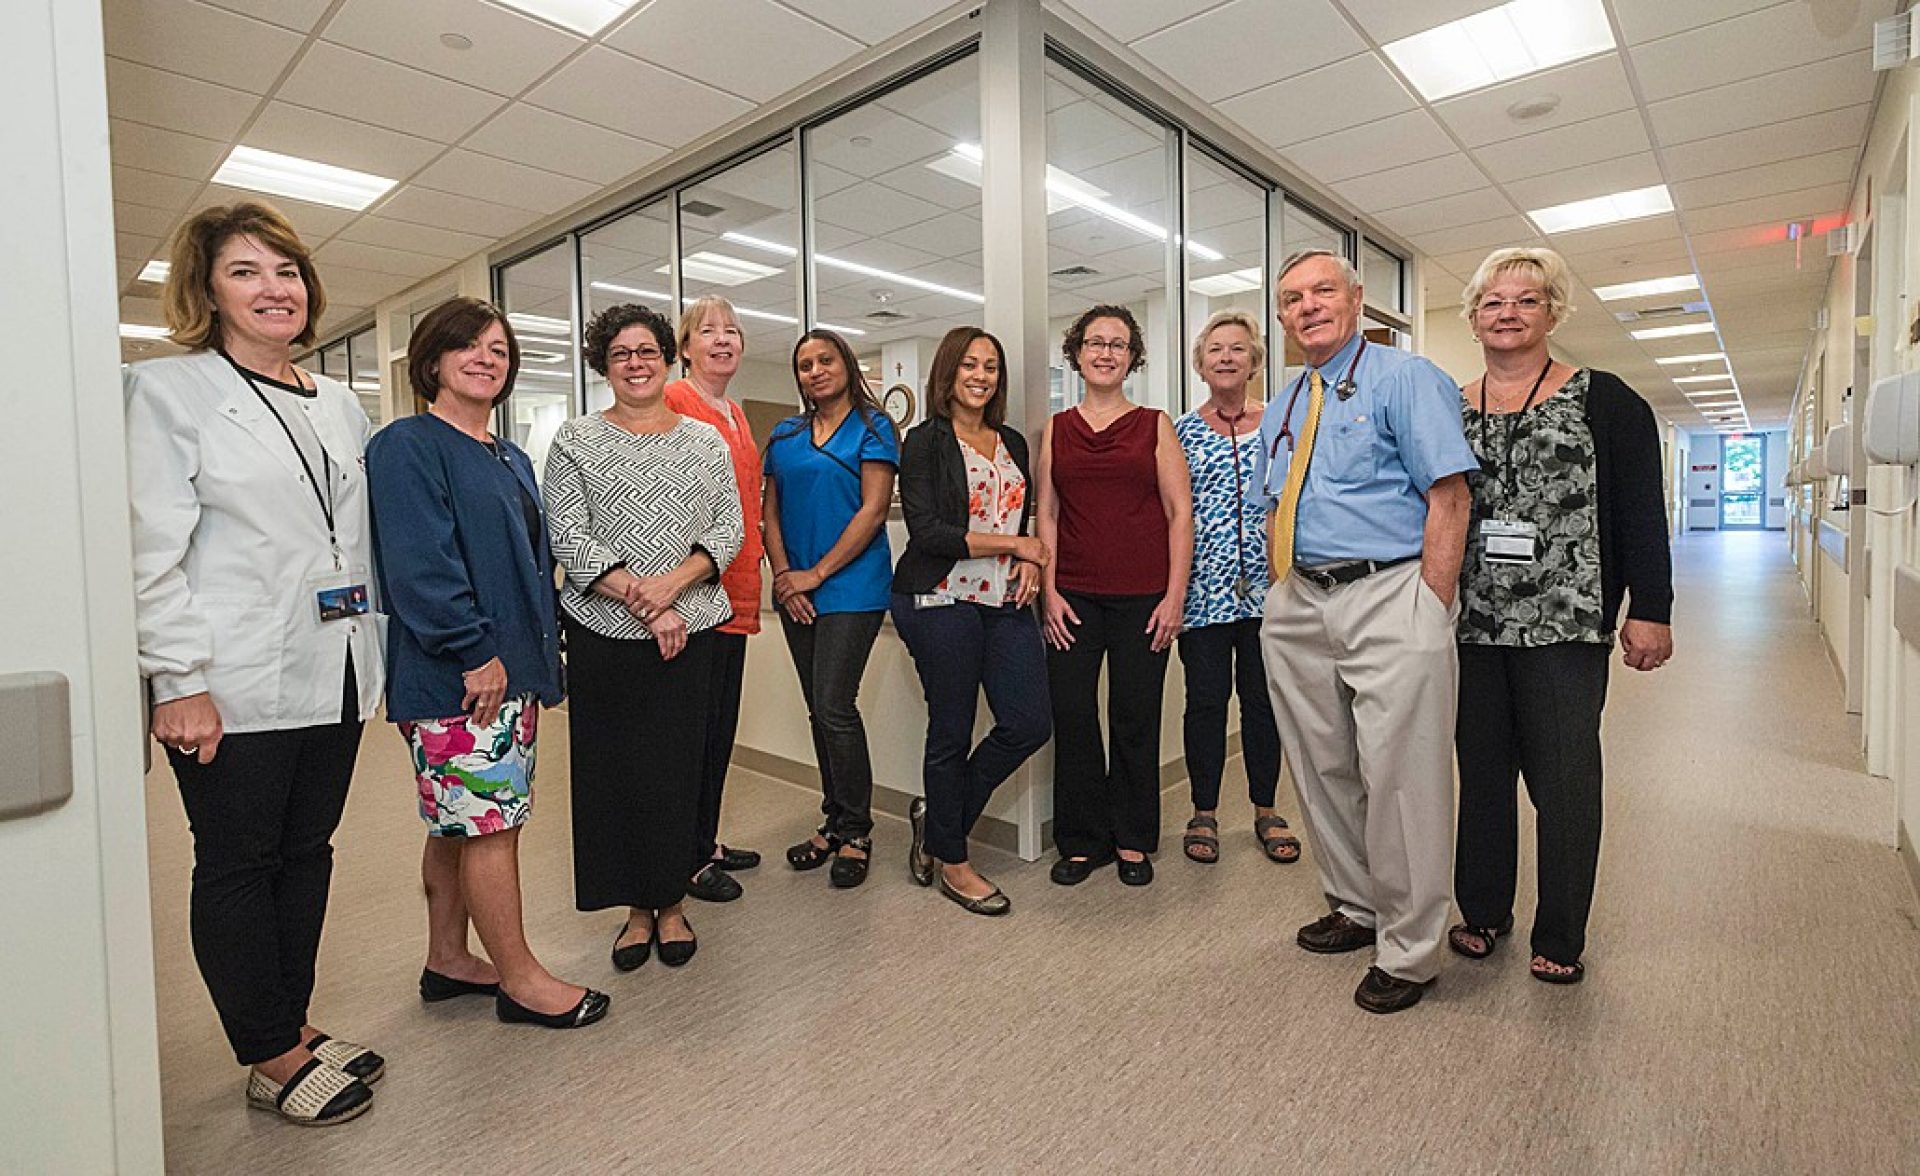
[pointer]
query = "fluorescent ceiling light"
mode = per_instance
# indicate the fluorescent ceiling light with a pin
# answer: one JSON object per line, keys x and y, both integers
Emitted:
{"x": 742, "y": 311}
{"x": 1703, "y": 357}
{"x": 854, "y": 267}
{"x": 1702, "y": 379}
{"x": 521, "y": 321}
{"x": 1679, "y": 283}
{"x": 1221, "y": 285}
{"x": 1673, "y": 332}
{"x": 1603, "y": 210}
{"x": 1728, "y": 402}
{"x": 542, "y": 357}
{"x": 721, "y": 269}
{"x": 300, "y": 179}
{"x": 155, "y": 271}
{"x": 1065, "y": 190}
{"x": 142, "y": 331}
{"x": 585, "y": 17}
{"x": 1501, "y": 44}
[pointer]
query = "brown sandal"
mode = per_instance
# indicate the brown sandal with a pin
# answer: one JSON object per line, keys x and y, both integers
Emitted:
{"x": 1194, "y": 843}
{"x": 1278, "y": 848}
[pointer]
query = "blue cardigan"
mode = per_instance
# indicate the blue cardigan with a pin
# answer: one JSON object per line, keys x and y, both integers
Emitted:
{"x": 461, "y": 581}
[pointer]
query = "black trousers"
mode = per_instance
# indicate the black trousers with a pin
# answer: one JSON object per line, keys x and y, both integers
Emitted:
{"x": 263, "y": 815}
{"x": 1532, "y": 713}
{"x": 1220, "y": 660}
{"x": 723, "y": 723}
{"x": 637, "y": 727}
{"x": 959, "y": 649}
{"x": 830, "y": 656}
{"x": 1107, "y": 797}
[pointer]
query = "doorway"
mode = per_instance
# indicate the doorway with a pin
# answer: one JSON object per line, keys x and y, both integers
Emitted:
{"x": 1743, "y": 482}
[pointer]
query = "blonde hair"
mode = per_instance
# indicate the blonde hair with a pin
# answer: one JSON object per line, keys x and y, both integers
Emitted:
{"x": 1231, "y": 318}
{"x": 696, "y": 314}
{"x": 1544, "y": 266}
{"x": 187, "y": 298}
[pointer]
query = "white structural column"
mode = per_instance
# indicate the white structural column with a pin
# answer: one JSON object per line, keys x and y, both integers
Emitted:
{"x": 1013, "y": 134}
{"x": 79, "y": 1070}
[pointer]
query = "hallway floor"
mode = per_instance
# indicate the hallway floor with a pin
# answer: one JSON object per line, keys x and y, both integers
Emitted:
{"x": 1752, "y": 1002}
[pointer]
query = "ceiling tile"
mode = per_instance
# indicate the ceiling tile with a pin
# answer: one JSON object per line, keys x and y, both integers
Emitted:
{"x": 1414, "y": 183}
{"x": 768, "y": 50}
{"x": 867, "y": 21}
{"x": 143, "y": 219}
{"x": 1808, "y": 171}
{"x": 1294, "y": 110}
{"x": 211, "y": 44}
{"x": 356, "y": 255}
{"x": 1592, "y": 179}
{"x": 1810, "y": 89}
{"x": 1246, "y": 44}
{"x": 133, "y": 245}
{"x": 1608, "y": 137}
{"x": 171, "y": 153}
{"x": 512, "y": 184}
{"x": 1780, "y": 207}
{"x": 1482, "y": 237}
{"x": 1665, "y": 227}
{"x": 1376, "y": 146}
{"x": 153, "y": 190}
{"x": 1129, "y": 20}
{"x": 556, "y": 143}
{"x": 1775, "y": 38}
{"x": 427, "y": 239}
{"x": 509, "y": 51}
{"x": 314, "y": 222}
{"x": 300, "y": 15}
{"x": 142, "y": 94}
{"x": 1585, "y": 89}
{"x": 1449, "y": 212}
{"x": 612, "y": 90}
{"x": 1834, "y": 129}
{"x": 361, "y": 287}
{"x": 463, "y": 214}
{"x": 328, "y": 138}
{"x": 371, "y": 89}
{"x": 1390, "y": 20}
{"x": 1649, "y": 20}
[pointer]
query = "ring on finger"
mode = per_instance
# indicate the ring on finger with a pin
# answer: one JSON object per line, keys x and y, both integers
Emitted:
{"x": 188, "y": 748}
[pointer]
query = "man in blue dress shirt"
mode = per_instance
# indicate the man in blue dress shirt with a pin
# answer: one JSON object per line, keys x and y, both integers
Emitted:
{"x": 1358, "y": 635}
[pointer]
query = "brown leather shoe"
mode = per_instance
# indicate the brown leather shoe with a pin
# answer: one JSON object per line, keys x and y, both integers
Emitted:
{"x": 1382, "y": 993}
{"x": 1333, "y": 934}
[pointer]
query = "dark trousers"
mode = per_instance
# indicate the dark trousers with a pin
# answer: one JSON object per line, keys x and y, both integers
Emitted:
{"x": 637, "y": 728}
{"x": 263, "y": 815}
{"x": 1106, "y": 800}
{"x": 723, "y": 723}
{"x": 959, "y": 649}
{"x": 1220, "y": 660}
{"x": 830, "y": 656}
{"x": 1533, "y": 713}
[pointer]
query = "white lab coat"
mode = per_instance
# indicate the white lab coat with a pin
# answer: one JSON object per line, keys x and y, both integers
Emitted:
{"x": 228, "y": 538}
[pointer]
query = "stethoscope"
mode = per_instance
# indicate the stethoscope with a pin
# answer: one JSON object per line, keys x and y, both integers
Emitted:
{"x": 1344, "y": 390}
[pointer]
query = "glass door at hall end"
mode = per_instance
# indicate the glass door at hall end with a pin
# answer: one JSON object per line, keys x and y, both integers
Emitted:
{"x": 1743, "y": 482}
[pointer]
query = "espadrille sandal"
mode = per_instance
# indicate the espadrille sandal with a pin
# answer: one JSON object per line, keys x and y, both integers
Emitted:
{"x": 317, "y": 1095}
{"x": 345, "y": 1056}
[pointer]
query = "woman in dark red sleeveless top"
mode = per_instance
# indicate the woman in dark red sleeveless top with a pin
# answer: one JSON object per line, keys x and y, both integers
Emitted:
{"x": 1116, "y": 507}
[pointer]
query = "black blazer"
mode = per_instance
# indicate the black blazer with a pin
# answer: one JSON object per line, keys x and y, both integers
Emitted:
{"x": 1635, "y": 561}
{"x": 933, "y": 496}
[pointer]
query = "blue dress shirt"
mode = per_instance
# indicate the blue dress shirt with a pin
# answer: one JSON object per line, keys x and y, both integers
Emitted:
{"x": 1375, "y": 455}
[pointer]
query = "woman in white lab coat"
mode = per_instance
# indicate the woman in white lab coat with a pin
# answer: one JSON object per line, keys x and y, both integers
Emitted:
{"x": 252, "y": 580}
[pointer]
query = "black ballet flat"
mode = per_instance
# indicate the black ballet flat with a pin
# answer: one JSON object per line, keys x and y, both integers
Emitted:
{"x": 591, "y": 1007}
{"x": 435, "y": 987}
{"x": 633, "y": 954}
{"x": 674, "y": 952}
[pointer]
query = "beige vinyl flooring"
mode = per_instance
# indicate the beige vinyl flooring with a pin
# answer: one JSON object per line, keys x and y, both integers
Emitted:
{"x": 1752, "y": 1002}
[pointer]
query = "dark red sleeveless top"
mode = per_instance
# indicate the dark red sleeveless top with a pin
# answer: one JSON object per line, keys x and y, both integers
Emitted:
{"x": 1113, "y": 530}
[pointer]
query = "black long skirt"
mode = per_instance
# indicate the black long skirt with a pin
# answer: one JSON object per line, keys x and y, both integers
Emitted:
{"x": 637, "y": 726}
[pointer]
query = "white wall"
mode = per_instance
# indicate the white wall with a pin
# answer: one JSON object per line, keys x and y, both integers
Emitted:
{"x": 79, "y": 1069}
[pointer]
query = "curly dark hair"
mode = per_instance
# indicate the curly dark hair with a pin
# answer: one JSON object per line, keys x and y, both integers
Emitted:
{"x": 607, "y": 325}
{"x": 1077, "y": 336}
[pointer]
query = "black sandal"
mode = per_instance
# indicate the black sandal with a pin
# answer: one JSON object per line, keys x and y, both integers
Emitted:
{"x": 1546, "y": 976}
{"x": 1275, "y": 845}
{"x": 1489, "y": 937}
{"x": 849, "y": 872}
{"x": 810, "y": 854}
{"x": 1209, "y": 842}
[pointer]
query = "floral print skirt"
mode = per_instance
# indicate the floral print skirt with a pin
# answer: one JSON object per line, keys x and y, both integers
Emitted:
{"x": 475, "y": 779}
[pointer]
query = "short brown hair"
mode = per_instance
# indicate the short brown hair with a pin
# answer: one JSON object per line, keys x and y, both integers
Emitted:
{"x": 1077, "y": 336}
{"x": 450, "y": 326}
{"x": 187, "y": 297}
{"x": 946, "y": 369}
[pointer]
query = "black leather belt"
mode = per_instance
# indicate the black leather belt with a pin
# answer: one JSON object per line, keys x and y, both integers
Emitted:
{"x": 1330, "y": 576}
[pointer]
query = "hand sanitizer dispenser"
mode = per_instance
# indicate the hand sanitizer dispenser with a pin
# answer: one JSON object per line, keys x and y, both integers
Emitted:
{"x": 1892, "y": 423}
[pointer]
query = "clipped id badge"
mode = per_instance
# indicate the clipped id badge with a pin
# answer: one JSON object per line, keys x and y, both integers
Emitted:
{"x": 1509, "y": 541}
{"x": 340, "y": 596}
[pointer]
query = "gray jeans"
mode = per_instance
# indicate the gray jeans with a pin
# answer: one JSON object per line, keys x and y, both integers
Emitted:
{"x": 830, "y": 656}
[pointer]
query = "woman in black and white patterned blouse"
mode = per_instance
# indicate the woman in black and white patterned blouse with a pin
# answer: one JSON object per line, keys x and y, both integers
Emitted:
{"x": 644, "y": 513}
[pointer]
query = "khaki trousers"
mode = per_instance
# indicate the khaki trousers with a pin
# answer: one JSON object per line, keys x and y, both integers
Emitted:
{"x": 1364, "y": 679}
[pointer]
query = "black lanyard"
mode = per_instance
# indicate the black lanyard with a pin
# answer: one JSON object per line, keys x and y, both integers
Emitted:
{"x": 1506, "y": 474}
{"x": 1239, "y": 499}
{"x": 1286, "y": 418}
{"x": 326, "y": 466}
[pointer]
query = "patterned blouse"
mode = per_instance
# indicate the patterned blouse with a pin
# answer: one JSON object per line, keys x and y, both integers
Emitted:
{"x": 1548, "y": 482}
{"x": 1229, "y": 536}
{"x": 642, "y": 502}
{"x": 996, "y": 498}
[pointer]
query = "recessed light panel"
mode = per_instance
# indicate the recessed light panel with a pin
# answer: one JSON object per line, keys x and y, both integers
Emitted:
{"x": 300, "y": 179}
{"x": 1723, "y": 379}
{"x": 1703, "y": 357}
{"x": 156, "y": 271}
{"x": 1677, "y": 284}
{"x": 1673, "y": 332}
{"x": 142, "y": 331}
{"x": 1221, "y": 285}
{"x": 1603, "y": 210}
{"x": 1501, "y": 44}
{"x": 585, "y": 17}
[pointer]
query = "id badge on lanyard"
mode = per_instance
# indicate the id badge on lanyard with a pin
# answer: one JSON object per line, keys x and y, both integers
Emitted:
{"x": 1509, "y": 541}
{"x": 341, "y": 595}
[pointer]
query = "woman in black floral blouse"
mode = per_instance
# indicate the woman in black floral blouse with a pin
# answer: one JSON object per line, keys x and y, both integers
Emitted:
{"x": 1569, "y": 520}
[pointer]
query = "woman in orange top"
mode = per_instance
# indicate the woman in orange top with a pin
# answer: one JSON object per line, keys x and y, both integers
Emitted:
{"x": 711, "y": 344}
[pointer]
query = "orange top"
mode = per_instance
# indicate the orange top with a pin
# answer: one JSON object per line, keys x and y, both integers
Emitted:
{"x": 742, "y": 577}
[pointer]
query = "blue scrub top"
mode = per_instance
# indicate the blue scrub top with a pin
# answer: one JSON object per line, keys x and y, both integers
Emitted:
{"x": 819, "y": 492}
{"x": 1375, "y": 455}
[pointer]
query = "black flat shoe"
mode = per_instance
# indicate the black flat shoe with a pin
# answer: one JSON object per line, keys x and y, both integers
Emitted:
{"x": 591, "y": 1007}
{"x": 629, "y": 957}
{"x": 849, "y": 872}
{"x": 711, "y": 885}
{"x": 737, "y": 859}
{"x": 1138, "y": 873}
{"x": 809, "y": 855}
{"x": 675, "y": 952}
{"x": 435, "y": 987}
{"x": 919, "y": 861}
{"x": 1072, "y": 872}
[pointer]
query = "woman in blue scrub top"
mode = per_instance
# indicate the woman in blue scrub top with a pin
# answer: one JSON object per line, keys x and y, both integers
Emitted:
{"x": 829, "y": 480}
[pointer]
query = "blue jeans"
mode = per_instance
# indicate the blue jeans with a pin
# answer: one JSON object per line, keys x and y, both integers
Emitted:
{"x": 959, "y": 649}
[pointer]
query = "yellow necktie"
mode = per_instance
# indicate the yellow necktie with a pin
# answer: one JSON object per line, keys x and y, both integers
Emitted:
{"x": 1280, "y": 528}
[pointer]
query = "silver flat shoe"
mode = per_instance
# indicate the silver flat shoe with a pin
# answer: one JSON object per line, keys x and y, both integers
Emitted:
{"x": 992, "y": 906}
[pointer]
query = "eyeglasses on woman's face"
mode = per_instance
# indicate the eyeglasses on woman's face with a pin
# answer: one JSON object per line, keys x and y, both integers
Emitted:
{"x": 1113, "y": 345}
{"x": 616, "y": 356}
{"x": 1525, "y": 304}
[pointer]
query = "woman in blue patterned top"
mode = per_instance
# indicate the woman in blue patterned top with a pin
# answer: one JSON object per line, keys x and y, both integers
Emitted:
{"x": 1220, "y": 647}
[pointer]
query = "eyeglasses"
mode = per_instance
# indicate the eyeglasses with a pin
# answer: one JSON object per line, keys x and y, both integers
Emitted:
{"x": 1525, "y": 304}
{"x": 1106, "y": 345}
{"x": 620, "y": 355}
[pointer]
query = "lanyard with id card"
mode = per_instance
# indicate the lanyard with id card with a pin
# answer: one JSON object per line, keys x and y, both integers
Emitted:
{"x": 1507, "y": 540}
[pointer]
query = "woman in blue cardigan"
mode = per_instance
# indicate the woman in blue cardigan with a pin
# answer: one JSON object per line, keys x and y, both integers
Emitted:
{"x": 467, "y": 578}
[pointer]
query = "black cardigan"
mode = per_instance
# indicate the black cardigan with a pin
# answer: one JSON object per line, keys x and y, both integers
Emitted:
{"x": 1635, "y": 562}
{"x": 933, "y": 496}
